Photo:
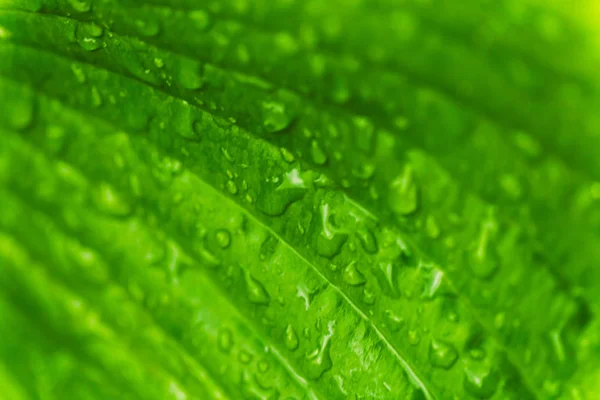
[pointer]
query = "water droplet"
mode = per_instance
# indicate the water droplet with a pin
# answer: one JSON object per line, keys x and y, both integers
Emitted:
{"x": 368, "y": 296}
{"x": 352, "y": 276}
{"x": 21, "y": 111}
{"x": 89, "y": 36}
{"x": 393, "y": 321}
{"x": 413, "y": 337}
{"x": 319, "y": 360}
{"x": 368, "y": 241}
{"x": 80, "y": 6}
{"x": 147, "y": 27}
{"x": 96, "y": 98}
{"x": 480, "y": 381}
{"x": 231, "y": 187}
{"x": 318, "y": 155}
{"x": 275, "y": 116}
{"x": 223, "y": 238}
{"x": 483, "y": 259}
{"x": 78, "y": 72}
{"x": 225, "y": 340}
{"x": 527, "y": 144}
{"x": 274, "y": 202}
{"x": 109, "y": 202}
{"x": 386, "y": 274}
{"x": 432, "y": 228}
{"x": 403, "y": 193}
{"x": 291, "y": 338}
{"x": 245, "y": 357}
{"x": 256, "y": 291}
{"x": 287, "y": 155}
{"x": 159, "y": 62}
{"x": 189, "y": 75}
{"x": 442, "y": 355}
{"x": 201, "y": 19}
{"x": 365, "y": 134}
{"x": 329, "y": 240}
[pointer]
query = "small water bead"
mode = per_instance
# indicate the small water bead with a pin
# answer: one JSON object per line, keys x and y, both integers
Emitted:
{"x": 245, "y": 357}
{"x": 413, "y": 337}
{"x": 148, "y": 27}
{"x": 201, "y": 19}
{"x": 225, "y": 340}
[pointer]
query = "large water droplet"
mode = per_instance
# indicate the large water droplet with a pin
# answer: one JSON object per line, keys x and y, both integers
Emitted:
{"x": 275, "y": 116}
{"x": 319, "y": 360}
{"x": 256, "y": 291}
{"x": 480, "y": 381}
{"x": 368, "y": 241}
{"x": 387, "y": 275}
{"x": 352, "y": 276}
{"x": 317, "y": 153}
{"x": 80, "y": 6}
{"x": 274, "y": 202}
{"x": 442, "y": 355}
{"x": 403, "y": 193}
{"x": 329, "y": 239}
{"x": 89, "y": 36}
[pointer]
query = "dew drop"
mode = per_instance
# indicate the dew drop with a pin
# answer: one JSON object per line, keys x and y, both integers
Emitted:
{"x": 386, "y": 274}
{"x": 88, "y": 36}
{"x": 201, "y": 19}
{"x": 256, "y": 291}
{"x": 275, "y": 116}
{"x": 231, "y": 187}
{"x": 80, "y": 6}
{"x": 147, "y": 27}
{"x": 225, "y": 340}
{"x": 403, "y": 193}
{"x": 223, "y": 238}
{"x": 319, "y": 360}
{"x": 480, "y": 381}
{"x": 96, "y": 98}
{"x": 352, "y": 276}
{"x": 291, "y": 338}
{"x": 318, "y": 155}
{"x": 442, "y": 355}
{"x": 413, "y": 337}
{"x": 368, "y": 241}
{"x": 245, "y": 357}
{"x": 21, "y": 111}
{"x": 109, "y": 202}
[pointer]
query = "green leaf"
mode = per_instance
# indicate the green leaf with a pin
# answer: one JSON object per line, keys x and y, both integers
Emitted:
{"x": 299, "y": 200}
